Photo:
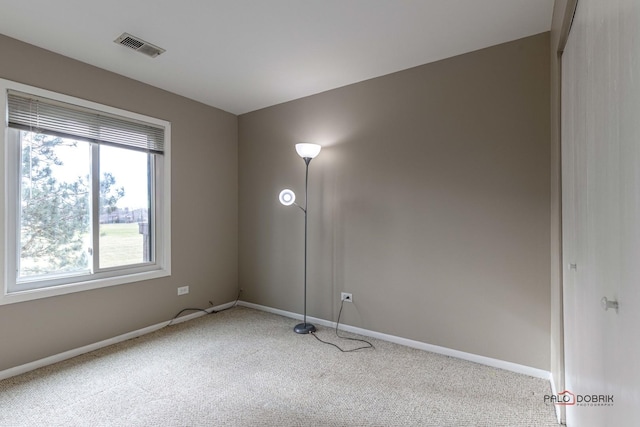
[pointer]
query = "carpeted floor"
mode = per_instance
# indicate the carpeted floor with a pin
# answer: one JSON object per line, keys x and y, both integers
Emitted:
{"x": 244, "y": 367}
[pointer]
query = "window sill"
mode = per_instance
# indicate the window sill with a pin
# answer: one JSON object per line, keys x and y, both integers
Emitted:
{"x": 34, "y": 294}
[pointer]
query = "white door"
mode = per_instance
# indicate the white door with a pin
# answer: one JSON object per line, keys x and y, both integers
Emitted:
{"x": 601, "y": 212}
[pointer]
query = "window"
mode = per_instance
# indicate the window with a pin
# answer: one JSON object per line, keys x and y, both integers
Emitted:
{"x": 87, "y": 201}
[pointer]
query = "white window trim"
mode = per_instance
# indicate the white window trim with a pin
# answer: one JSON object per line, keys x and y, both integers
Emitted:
{"x": 163, "y": 226}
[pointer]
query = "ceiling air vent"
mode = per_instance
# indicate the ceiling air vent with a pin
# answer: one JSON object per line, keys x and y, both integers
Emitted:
{"x": 137, "y": 44}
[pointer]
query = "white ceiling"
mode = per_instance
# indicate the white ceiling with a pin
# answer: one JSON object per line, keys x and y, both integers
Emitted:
{"x": 243, "y": 55}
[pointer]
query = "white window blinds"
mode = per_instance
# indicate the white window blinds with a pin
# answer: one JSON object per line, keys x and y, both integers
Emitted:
{"x": 43, "y": 115}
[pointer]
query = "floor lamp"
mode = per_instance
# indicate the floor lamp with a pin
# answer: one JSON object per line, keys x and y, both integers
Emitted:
{"x": 287, "y": 197}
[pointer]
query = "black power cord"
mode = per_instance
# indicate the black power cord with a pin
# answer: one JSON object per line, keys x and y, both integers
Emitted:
{"x": 231, "y": 306}
{"x": 369, "y": 345}
{"x": 205, "y": 311}
{"x": 182, "y": 311}
{"x": 235, "y": 303}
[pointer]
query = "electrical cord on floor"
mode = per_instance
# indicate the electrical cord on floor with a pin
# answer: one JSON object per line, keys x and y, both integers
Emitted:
{"x": 369, "y": 345}
{"x": 182, "y": 311}
{"x": 205, "y": 311}
{"x": 231, "y": 306}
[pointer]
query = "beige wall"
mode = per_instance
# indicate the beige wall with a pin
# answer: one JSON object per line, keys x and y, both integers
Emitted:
{"x": 429, "y": 202}
{"x": 204, "y": 215}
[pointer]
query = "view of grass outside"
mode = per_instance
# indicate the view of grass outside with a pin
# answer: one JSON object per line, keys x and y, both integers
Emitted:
{"x": 120, "y": 244}
{"x": 56, "y": 206}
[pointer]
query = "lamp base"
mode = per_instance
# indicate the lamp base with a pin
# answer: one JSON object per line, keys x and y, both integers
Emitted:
{"x": 304, "y": 328}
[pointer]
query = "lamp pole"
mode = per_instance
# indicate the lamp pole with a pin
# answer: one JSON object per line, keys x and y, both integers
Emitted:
{"x": 287, "y": 197}
{"x": 304, "y": 327}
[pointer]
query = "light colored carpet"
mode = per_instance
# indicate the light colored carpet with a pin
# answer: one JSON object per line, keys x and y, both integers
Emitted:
{"x": 244, "y": 367}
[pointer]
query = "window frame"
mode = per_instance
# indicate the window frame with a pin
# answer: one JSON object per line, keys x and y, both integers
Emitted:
{"x": 10, "y": 204}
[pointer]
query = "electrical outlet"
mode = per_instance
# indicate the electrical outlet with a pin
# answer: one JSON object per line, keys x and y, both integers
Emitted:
{"x": 183, "y": 290}
{"x": 345, "y": 296}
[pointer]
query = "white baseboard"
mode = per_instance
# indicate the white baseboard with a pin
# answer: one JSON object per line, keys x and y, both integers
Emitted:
{"x": 496, "y": 363}
{"x": 12, "y": 372}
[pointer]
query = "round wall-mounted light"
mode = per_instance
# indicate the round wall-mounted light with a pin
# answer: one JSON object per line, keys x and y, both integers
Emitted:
{"x": 307, "y": 150}
{"x": 287, "y": 197}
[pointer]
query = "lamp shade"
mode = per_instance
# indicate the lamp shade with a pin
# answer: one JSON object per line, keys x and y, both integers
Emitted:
{"x": 287, "y": 197}
{"x": 307, "y": 150}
